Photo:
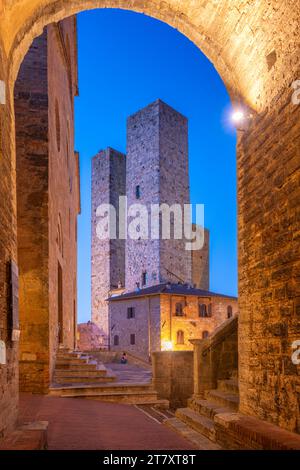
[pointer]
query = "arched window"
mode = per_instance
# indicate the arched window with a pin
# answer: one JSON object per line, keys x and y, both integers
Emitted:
{"x": 178, "y": 309}
{"x": 229, "y": 311}
{"x": 180, "y": 337}
{"x": 116, "y": 340}
{"x": 202, "y": 310}
{"x": 205, "y": 334}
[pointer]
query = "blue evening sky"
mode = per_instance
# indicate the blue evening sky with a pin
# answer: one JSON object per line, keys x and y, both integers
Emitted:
{"x": 126, "y": 61}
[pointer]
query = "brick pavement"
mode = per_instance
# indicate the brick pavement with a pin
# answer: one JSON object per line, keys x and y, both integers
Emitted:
{"x": 76, "y": 423}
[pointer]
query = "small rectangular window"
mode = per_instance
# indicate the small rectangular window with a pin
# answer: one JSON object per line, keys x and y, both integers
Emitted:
{"x": 178, "y": 309}
{"x": 209, "y": 310}
{"x": 137, "y": 192}
{"x": 116, "y": 340}
{"x": 130, "y": 312}
{"x": 132, "y": 339}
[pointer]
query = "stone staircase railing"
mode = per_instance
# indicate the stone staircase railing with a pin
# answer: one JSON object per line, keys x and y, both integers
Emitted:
{"x": 215, "y": 357}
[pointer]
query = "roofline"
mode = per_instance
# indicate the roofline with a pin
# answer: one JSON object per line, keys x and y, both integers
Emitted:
{"x": 120, "y": 298}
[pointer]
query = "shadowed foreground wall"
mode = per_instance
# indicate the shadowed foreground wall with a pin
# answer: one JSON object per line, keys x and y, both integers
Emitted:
{"x": 269, "y": 263}
{"x": 31, "y": 109}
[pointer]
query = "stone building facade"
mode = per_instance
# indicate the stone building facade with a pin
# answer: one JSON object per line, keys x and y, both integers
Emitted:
{"x": 48, "y": 202}
{"x": 166, "y": 316}
{"x": 108, "y": 255}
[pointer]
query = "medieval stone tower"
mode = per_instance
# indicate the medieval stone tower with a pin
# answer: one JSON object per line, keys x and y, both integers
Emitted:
{"x": 154, "y": 171}
{"x": 157, "y": 173}
{"x": 108, "y": 256}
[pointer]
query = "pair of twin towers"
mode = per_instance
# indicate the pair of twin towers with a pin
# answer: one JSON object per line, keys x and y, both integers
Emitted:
{"x": 153, "y": 171}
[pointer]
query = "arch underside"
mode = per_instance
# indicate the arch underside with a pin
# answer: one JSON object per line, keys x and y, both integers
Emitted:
{"x": 233, "y": 35}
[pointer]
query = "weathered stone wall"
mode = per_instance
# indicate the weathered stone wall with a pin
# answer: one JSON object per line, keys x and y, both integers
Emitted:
{"x": 145, "y": 326}
{"x": 190, "y": 323}
{"x": 64, "y": 188}
{"x": 157, "y": 142}
{"x": 8, "y": 250}
{"x": 108, "y": 256}
{"x": 200, "y": 264}
{"x": 48, "y": 206}
{"x": 173, "y": 377}
{"x": 31, "y": 111}
{"x": 269, "y": 294}
{"x": 89, "y": 337}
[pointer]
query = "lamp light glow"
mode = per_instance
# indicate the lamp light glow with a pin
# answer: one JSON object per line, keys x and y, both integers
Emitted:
{"x": 237, "y": 116}
{"x": 167, "y": 345}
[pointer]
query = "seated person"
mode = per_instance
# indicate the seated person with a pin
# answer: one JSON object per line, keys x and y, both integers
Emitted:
{"x": 124, "y": 358}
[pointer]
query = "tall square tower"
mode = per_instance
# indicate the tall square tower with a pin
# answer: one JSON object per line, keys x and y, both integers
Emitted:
{"x": 157, "y": 173}
{"x": 108, "y": 255}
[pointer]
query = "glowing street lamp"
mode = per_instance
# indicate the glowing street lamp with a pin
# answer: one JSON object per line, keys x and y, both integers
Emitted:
{"x": 167, "y": 346}
{"x": 238, "y": 116}
{"x": 241, "y": 117}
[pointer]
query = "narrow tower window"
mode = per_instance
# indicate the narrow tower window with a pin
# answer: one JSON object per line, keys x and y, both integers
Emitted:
{"x": 180, "y": 337}
{"x": 137, "y": 192}
{"x": 144, "y": 278}
{"x": 205, "y": 334}
{"x": 132, "y": 339}
{"x": 229, "y": 311}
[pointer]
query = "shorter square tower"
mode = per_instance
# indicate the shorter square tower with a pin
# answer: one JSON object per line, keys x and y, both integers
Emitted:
{"x": 200, "y": 264}
{"x": 108, "y": 255}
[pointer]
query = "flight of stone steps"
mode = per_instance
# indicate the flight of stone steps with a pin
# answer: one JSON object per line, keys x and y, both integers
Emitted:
{"x": 78, "y": 375}
{"x": 197, "y": 420}
{"x": 74, "y": 367}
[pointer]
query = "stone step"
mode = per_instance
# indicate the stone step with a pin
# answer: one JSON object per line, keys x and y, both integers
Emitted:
{"x": 87, "y": 390}
{"x": 198, "y": 440}
{"x": 199, "y": 423}
{"x": 65, "y": 354}
{"x": 82, "y": 367}
{"x": 74, "y": 363}
{"x": 79, "y": 372}
{"x": 132, "y": 395}
{"x": 66, "y": 358}
{"x": 84, "y": 379}
{"x": 226, "y": 399}
{"x": 129, "y": 398}
{"x": 230, "y": 385}
{"x": 206, "y": 408}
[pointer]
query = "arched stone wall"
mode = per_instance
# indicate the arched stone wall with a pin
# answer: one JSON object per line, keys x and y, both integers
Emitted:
{"x": 254, "y": 45}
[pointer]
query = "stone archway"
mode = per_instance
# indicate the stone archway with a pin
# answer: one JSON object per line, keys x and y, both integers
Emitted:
{"x": 257, "y": 56}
